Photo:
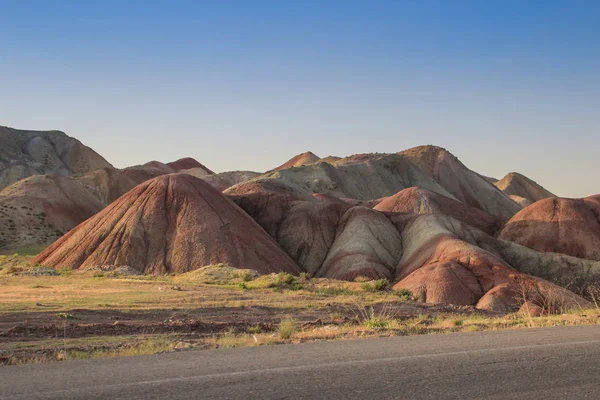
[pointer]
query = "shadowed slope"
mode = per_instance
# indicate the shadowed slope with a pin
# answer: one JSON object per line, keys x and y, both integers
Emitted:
{"x": 327, "y": 238}
{"x": 173, "y": 223}
{"x": 559, "y": 225}
{"x": 417, "y": 200}
{"x": 515, "y": 184}
{"x": 522, "y": 201}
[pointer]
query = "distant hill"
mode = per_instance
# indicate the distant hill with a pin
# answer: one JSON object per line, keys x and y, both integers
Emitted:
{"x": 373, "y": 176}
{"x": 25, "y": 153}
{"x": 152, "y": 169}
{"x": 558, "y": 225}
{"x": 520, "y": 187}
{"x": 299, "y": 160}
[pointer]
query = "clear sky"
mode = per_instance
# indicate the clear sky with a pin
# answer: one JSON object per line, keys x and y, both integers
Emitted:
{"x": 504, "y": 85}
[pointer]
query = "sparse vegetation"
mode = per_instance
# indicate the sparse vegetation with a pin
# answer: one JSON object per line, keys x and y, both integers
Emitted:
{"x": 404, "y": 294}
{"x": 372, "y": 318}
{"x": 284, "y": 280}
{"x": 375, "y": 286}
{"x": 287, "y": 328}
{"x": 222, "y": 315}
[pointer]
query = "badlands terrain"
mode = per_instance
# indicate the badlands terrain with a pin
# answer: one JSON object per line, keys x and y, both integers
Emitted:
{"x": 402, "y": 242}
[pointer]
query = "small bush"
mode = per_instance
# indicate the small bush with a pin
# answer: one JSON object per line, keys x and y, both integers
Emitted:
{"x": 376, "y": 323}
{"x": 371, "y": 318}
{"x": 375, "y": 286}
{"x": 287, "y": 328}
{"x": 374, "y": 320}
{"x": 404, "y": 294}
{"x": 242, "y": 285}
{"x": 284, "y": 280}
{"x": 247, "y": 276}
{"x": 381, "y": 284}
{"x": 230, "y": 340}
{"x": 304, "y": 276}
{"x": 255, "y": 329}
{"x": 335, "y": 291}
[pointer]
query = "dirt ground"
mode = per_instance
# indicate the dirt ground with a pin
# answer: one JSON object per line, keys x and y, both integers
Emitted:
{"x": 49, "y": 312}
{"x": 52, "y": 315}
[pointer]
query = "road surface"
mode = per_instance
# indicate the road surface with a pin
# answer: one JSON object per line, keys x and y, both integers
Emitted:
{"x": 553, "y": 363}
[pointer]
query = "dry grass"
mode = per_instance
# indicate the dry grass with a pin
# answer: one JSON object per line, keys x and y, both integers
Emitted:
{"x": 206, "y": 287}
{"x": 102, "y": 347}
{"x": 347, "y": 311}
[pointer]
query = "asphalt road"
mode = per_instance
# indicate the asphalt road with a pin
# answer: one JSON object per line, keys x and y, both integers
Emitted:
{"x": 554, "y": 363}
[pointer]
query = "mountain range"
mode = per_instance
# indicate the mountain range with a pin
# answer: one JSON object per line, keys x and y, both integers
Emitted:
{"x": 419, "y": 218}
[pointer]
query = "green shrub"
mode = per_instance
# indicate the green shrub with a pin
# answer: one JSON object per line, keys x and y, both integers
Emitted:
{"x": 375, "y": 320}
{"x": 375, "y": 286}
{"x": 243, "y": 286}
{"x": 335, "y": 291}
{"x": 284, "y": 280}
{"x": 381, "y": 284}
{"x": 247, "y": 276}
{"x": 255, "y": 329}
{"x": 404, "y": 294}
{"x": 304, "y": 276}
{"x": 287, "y": 328}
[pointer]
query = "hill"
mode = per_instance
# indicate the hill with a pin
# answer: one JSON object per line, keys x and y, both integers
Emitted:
{"x": 558, "y": 225}
{"x": 299, "y": 160}
{"x": 372, "y": 176}
{"x": 518, "y": 186}
{"x": 40, "y": 209}
{"x": 25, "y": 153}
{"x": 173, "y": 223}
{"x": 422, "y": 201}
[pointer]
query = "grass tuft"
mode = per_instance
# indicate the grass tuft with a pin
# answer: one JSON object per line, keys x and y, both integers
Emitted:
{"x": 287, "y": 328}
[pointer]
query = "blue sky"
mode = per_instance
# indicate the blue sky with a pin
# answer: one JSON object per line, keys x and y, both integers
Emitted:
{"x": 505, "y": 85}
